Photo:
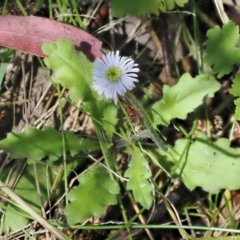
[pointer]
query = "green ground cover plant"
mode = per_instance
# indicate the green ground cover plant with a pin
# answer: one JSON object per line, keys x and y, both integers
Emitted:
{"x": 58, "y": 185}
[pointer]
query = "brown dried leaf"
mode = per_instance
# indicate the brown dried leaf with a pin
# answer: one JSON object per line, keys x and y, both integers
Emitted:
{"x": 27, "y": 33}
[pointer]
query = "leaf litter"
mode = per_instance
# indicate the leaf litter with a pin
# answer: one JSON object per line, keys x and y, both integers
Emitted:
{"x": 28, "y": 97}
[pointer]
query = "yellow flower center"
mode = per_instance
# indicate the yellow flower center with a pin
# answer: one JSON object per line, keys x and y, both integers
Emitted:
{"x": 113, "y": 74}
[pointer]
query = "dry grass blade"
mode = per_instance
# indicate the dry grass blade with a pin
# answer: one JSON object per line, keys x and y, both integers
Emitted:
{"x": 22, "y": 204}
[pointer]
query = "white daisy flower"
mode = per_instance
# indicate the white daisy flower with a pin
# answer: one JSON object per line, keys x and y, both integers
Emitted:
{"x": 114, "y": 75}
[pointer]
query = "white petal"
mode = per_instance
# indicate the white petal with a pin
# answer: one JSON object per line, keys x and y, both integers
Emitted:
{"x": 133, "y": 76}
{"x": 128, "y": 83}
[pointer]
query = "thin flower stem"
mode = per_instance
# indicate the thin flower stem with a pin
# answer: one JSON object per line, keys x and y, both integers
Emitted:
{"x": 102, "y": 141}
{"x": 147, "y": 123}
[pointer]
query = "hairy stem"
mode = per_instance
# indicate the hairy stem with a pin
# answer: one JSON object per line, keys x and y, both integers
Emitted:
{"x": 147, "y": 123}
